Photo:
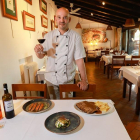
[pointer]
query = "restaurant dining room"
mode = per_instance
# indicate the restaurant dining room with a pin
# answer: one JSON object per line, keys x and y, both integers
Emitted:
{"x": 70, "y": 69}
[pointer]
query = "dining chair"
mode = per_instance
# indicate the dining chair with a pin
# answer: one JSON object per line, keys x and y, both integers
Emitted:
{"x": 117, "y": 63}
{"x": 135, "y": 60}
{"x": 88, "y": 94}
{"x": 28, "y": 87}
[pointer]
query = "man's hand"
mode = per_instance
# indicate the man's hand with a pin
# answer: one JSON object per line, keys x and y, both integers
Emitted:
{"x": 83, "y": 85}
{"x": 38, "y": 48}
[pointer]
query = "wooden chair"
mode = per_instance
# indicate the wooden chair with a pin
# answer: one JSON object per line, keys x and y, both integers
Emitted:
{"x": 135, "y": 60}
{"x": 75, "y": 88}
{"x": 117, "y": 63}
{"x": 29, "y": 87}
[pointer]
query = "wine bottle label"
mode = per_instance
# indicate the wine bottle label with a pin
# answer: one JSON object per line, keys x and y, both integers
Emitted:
{"x": 8, "y": 105}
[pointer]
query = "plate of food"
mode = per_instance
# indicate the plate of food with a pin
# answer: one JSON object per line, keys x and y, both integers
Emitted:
{"x": 62, "y": 122}
{"x": 94, "y": 108}
{"x": 37, "y": 105}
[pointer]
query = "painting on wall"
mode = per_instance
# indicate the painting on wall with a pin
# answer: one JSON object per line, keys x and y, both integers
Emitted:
{"x": 29, "y": 1}
{"x": 52, "y": 25}
{"x": 43, "y": 6}
{"x": 55, "y": 24}
{"x": 94, "y": 35}
{"x": 9, "y": 9}
{"x": 44, "y": 21}
{"x": 28, "y": 21}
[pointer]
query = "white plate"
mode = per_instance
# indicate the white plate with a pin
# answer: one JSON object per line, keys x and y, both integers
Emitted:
{"x": 94, "y": 114}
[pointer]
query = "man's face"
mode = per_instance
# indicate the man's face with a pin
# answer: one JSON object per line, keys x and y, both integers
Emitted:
{"x": 62, "y": 19}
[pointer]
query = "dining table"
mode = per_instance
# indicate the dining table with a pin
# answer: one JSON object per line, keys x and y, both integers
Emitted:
{"x": 132, "y": 74}
{"x": 32, "y": 126}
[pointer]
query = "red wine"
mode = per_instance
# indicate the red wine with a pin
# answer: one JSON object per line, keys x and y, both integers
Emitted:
{"x": 8, "y": 103}
{"x": 41, "y": 40}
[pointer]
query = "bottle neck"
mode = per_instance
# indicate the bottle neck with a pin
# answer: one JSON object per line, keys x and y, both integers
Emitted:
{"x": 5, "y": 90}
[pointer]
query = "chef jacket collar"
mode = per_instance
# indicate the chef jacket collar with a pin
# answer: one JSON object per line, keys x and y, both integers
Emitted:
{"x": 58, "y": 33}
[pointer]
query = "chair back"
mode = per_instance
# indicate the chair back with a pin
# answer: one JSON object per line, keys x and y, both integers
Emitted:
{"x": 29, "y": 87}
{"x": 118, "y": 60}
{"x": 135, "y": 60}
{"x": 104, "y": 53}
{"x": 73, "y": 87}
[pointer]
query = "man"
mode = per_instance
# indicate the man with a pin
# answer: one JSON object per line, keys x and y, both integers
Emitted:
{"x": 64, "y": 48}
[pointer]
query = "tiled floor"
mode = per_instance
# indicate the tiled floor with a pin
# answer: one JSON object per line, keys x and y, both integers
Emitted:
{"x": 112, "y": 89}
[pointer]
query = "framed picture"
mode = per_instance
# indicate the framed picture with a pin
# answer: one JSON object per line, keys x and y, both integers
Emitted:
{"x": 29, "y": 1}
{"x": 55, "y": 24}
{"x": 28, "y": 21}
{"x": 9, "y": 9}
{"x": 44, "y": 21}
{"x": 43, "y": 6}
{"x": 52, "y": 24}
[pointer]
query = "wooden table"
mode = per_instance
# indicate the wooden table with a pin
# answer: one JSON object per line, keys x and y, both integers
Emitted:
{"x": 133, "y": 75}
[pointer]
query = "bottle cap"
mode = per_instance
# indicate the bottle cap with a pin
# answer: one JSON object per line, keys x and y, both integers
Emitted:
{"x": 5, "y": 85}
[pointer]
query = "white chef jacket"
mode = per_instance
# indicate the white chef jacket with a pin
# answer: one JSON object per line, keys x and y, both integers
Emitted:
{"x": 61, "y": 70}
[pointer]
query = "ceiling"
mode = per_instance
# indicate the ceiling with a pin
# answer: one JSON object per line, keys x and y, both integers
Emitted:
{"x": 113, "y": 13}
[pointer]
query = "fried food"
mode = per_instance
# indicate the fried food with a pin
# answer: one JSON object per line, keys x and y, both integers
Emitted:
{"x": 87, "y": 107}
{"x": 104, "y": 107}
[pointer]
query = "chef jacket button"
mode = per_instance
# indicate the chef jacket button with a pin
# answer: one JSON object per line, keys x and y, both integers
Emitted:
{"x": 57, "y": 36}
{"x": 56, "y": 72}
{"x": 64, "y": 64}
{"x": 56, "y": 54}
{"x": 66, "y": 45}
{"x": 66, "y": 36}
{"x": 64, "y": 72}
{"x": 56, "y": 63}
{"x": 56, "y": 45}
{"x": 66, "y": 55}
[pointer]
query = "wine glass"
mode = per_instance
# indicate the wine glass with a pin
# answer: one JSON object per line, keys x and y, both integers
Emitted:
{"x": 41, "y": 40}
{"x": 55, "y": 41}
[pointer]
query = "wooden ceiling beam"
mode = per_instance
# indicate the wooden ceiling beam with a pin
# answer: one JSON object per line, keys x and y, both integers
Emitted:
{"x": 111, "y": 21}
{"x": 93, "y": 9}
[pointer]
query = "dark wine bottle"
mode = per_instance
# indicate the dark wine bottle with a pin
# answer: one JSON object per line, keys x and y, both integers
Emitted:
{"x": 8, "y": 103}
{"x": 41, "y": 40}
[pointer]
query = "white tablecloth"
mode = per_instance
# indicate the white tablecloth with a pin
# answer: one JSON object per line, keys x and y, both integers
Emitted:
{"x": 108, "y": 58}
{"x": 131, "y": 73}
{"x": 26, "y": 126}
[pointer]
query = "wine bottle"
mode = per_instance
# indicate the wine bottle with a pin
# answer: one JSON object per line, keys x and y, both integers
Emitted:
{"x": 8, "y": 103}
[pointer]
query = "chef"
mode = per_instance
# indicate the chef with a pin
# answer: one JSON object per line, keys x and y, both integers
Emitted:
{"x": 65, "y": 50}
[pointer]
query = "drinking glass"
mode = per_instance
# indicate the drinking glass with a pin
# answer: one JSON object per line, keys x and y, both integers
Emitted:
{"x": 41, "y": 40}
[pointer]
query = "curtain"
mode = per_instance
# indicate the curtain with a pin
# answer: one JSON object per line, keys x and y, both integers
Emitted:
{"x": 119, "y": 35}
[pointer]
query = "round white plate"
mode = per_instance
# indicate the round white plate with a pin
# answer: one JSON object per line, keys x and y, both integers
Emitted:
{"x": 94, "y": 114}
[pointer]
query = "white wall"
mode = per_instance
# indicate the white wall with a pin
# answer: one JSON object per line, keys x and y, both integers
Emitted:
{"x": 22, "y": 45}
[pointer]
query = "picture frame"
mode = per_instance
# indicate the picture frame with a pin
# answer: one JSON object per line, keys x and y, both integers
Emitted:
{"x": 43, "y": 6}
{"x": 28, "y": 21}
{"x": 44, "y": 21}
{"x": 29, "y": 1}
{"x": 9, "y": 9}
{"x": 52, "y": 24}
{"x": 55, "y": 24}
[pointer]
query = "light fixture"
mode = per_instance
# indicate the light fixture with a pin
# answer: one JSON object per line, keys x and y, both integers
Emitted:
{"x": 129, "y": 23}
{"x": 78, "y": 25}
{"x": 91, "y": 14}
{"x": 103, "y": 3}
{"x": 109, "y": 27}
